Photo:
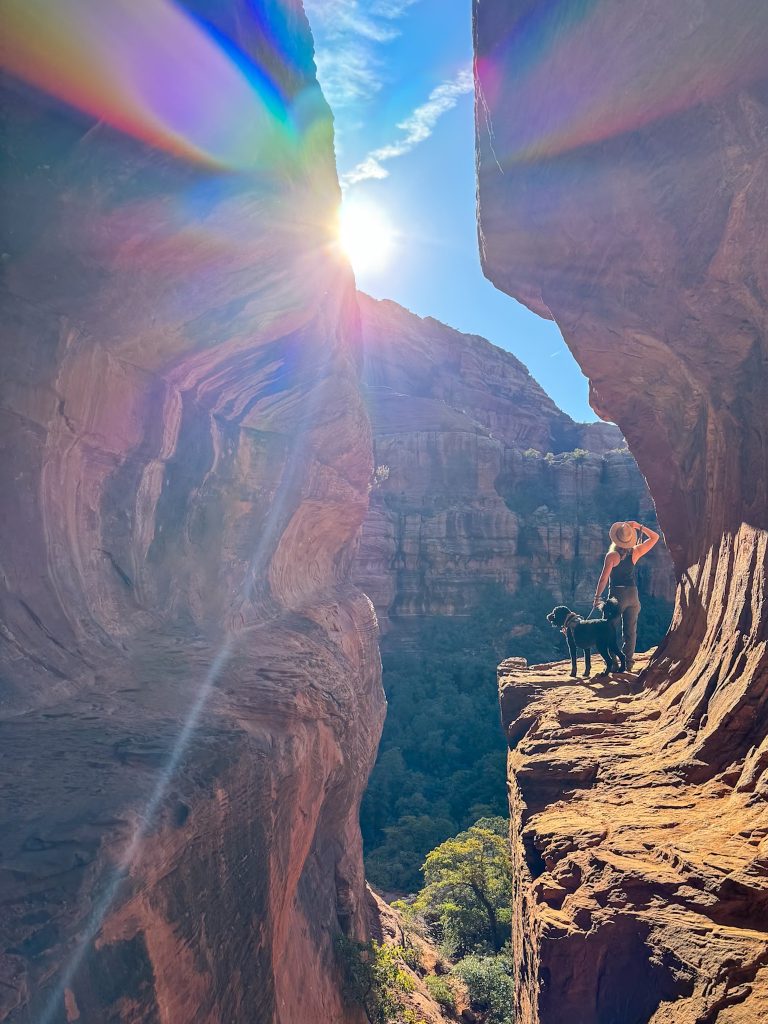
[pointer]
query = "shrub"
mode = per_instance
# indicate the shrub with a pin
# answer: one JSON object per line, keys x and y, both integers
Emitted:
{"x": 374, "y": 978}
{"x": 489, "y": 985}
{"x": 411, "y": 957}
{"x": 441, "y": 991}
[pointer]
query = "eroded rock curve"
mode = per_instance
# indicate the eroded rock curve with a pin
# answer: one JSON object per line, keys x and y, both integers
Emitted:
{"x": 190, "y": 685}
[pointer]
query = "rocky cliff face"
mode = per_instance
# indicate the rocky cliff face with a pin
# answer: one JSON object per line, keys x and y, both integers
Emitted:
{"x": 484, "y": 481}
{"x": 622, "y": 191}
{"x": 637, "y": 897}
{"x": 190, "y": 699}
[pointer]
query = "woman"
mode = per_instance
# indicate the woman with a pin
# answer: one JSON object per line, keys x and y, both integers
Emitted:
{"x": 619, "y": 567}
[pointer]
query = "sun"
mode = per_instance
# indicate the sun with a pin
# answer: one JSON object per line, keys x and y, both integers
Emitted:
{"x": 365, "y": 235}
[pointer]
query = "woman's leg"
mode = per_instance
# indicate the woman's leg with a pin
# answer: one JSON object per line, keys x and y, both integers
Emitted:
{"x": 630, "y": 609}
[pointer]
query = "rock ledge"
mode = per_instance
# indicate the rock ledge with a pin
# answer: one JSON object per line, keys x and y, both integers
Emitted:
{"x": 650, "y": 889}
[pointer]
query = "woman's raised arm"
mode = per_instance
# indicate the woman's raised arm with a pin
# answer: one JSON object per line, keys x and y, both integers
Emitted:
{"x": 644, "y": 546}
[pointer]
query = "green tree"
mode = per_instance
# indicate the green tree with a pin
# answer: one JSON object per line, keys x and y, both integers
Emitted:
{"x": 468, "y": 885}
{"x": 396, "y": 863}
{"x": 374, "y": 978}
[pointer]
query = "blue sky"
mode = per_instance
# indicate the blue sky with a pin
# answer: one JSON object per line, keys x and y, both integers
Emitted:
{"x": 397, "y": 75}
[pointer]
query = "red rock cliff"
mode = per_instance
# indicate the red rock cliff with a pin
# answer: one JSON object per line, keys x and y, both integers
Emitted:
{"x": 482, "y": 484}
{"x": 190, "y": 695}
{"x": 622, "y": 163}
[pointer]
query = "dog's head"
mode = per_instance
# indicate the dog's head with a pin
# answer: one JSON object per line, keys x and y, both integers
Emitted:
{"x": 558, "y": 616}
{"x": 611, "y": 609}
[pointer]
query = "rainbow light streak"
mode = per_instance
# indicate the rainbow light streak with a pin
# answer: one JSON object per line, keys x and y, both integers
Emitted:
{"x": 151, "y": 70}
{"x": 256, "y": 572}
{"x": 52, "y": 1008}
{"x": 579, "y": 73}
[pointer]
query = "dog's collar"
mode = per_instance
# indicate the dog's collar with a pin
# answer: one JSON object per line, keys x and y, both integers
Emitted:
{"x": 569, "y": 620}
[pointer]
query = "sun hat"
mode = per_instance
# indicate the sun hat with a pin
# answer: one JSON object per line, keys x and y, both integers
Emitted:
{"x": 623, "y": 535}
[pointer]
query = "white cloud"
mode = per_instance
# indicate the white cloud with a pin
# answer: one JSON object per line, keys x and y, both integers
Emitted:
{"x": 347, "y": 76}
{"x": 349, "y": 37}
{"x": 347, "y": 34}
{"x": 415, "y": 128}
{"x": 391, "y": 8}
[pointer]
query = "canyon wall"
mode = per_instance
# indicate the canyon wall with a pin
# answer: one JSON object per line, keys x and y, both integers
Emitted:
{"x": 190, "y": 696}
{"x": 623, "y": 192}
{"x": 482, "y": 480}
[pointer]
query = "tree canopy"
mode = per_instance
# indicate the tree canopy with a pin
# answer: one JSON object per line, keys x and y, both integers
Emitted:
{"x": 467, "y": 893}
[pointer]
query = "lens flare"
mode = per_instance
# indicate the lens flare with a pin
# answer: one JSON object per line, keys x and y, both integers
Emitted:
{"x": 149, "y": 69}
{"x": 306, "y": 366}
{"x": 580, "y": 76}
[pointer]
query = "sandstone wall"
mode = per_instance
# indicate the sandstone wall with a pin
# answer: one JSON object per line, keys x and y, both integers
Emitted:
{"x": 481, "y": 484}
{"x": 622, "y": 191}
{"x": 637, "y": 898}
{"x": 190, "y": 695}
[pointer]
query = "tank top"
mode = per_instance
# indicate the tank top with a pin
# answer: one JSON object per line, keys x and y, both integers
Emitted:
{"x": 623, "y": 574}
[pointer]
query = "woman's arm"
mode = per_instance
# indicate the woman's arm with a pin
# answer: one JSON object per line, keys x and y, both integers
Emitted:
{"x": 644, "y": 546}
{"x": 611, "y": 559}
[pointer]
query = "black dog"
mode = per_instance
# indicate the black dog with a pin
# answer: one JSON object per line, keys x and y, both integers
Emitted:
{"x": 598, "y": 633}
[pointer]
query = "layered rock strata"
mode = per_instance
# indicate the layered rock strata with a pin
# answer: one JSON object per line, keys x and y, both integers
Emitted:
{"x": 190, "y": 698}
{"x": 481, "y": 478}
{"x": 638, "y": 897}
{"x": 631, "y": 208}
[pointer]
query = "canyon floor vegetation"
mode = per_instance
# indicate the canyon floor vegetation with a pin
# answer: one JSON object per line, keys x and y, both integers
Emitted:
{"x": 451, "y": 940}
{"x": 464, "y": 907}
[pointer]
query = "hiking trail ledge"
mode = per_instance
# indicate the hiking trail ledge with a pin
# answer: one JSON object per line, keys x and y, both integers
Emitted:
{"x": 638, "y": 896}
{"x": 638, "y": 221}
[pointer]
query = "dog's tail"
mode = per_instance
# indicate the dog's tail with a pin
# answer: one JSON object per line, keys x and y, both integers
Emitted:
{"x": 611, "y": 609}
